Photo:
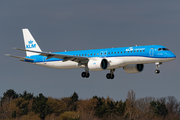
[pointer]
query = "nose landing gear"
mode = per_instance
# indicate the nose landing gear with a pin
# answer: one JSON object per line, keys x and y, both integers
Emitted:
{"x": 157, "y": 66}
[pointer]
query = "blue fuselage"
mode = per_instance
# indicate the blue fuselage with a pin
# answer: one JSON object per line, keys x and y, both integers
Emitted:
{"x": 150, "y": 51}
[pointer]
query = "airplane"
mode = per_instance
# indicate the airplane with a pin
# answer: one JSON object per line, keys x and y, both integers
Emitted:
{"x": 131, "y": 59}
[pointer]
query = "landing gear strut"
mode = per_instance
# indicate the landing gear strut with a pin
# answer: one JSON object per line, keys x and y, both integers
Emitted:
{"x": 157, "y": 66}
{"x": 111, "y": 74}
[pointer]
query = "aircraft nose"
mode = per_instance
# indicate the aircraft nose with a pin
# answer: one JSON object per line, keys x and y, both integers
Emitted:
{"x": 173, "y": 56}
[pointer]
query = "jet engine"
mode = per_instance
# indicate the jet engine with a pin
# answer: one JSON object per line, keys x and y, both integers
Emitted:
{"x": 98, "y": 64}
{"x": 134, "y": 68}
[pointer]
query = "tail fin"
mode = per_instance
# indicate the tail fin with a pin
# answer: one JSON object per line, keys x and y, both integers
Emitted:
{"x": 30, "y": 43}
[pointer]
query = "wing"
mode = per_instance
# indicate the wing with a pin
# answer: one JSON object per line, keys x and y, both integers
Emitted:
{"x": 60, "y": 56}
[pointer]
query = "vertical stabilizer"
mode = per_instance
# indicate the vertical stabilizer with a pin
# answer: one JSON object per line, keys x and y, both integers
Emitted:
{"x": 30, "y": 43}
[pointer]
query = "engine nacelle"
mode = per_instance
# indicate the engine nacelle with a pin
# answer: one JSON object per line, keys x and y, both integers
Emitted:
{"x": 115, "y": 63}
{"x": 97, "y": 64}
{"x": 134, "y": 68}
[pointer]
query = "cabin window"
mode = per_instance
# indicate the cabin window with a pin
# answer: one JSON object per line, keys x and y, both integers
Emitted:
{"x": 94, "y": 53}
{"x": 143, "y": 50}
{"x": 131, "y": 51}
{"x": 114, "y": 52}
{"x": 137, "y": 50}
{"x": 108, "y": 52}
{"x": 105, "y": 53}
{"x": 124, "y": 51}
{"x": 118, "y": 52}
{"x": 91, "y": 53}
{"x": 121, "y": 51}
{"x": 111, "y": 52}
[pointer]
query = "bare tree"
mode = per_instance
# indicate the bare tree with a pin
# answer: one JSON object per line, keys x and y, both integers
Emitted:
{"x": 172, "y": 104}
{"x": 130, "y": 105}
{"x": 131, "y": 96}
{"x": 162, "y": 100}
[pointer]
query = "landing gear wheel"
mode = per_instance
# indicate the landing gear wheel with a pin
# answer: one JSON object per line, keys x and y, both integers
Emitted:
{"x": 110, "y": 76}
{"x": 84, "y": 74}
{"x": 157, "y": 71}
{"x": 87, "y": 75}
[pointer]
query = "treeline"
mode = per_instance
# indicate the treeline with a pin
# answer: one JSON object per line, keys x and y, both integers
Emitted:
{"x": 26, "y": 106}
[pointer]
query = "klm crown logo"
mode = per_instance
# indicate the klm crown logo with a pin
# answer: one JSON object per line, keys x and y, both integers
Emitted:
{"x": 31, "y": 45}
{"x": 30, "y": 42}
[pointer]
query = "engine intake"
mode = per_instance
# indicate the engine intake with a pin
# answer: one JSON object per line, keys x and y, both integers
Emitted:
{"x": 98, "y": 64}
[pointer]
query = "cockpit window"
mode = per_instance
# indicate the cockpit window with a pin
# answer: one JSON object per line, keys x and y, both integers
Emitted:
{"x": 159, "y": 49}
{"x": 164, "y": 49}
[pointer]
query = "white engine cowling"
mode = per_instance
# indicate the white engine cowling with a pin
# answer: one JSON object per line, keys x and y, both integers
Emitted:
{"x": 115, "y": 63}
{"x": 98, "y": 64}
{"x": 134, "y": 68}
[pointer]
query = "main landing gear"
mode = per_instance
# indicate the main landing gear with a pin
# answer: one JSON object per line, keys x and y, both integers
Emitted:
{"x": 157, "y": 66}
{"x": 111, "y": 74}
{"x": 85, "y": 74}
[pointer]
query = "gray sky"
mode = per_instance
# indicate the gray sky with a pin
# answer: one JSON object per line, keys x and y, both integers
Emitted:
{"x": 74, "y": 25}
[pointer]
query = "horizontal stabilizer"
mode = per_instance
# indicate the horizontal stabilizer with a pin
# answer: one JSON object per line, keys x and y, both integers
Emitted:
{"x": 21, "y": 58}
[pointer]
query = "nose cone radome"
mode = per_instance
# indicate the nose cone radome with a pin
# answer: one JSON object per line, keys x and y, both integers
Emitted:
{"x": 172, "y": 55}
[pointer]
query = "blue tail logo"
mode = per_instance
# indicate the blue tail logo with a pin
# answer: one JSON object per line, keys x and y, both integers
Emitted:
{"x": 31, "y": 45}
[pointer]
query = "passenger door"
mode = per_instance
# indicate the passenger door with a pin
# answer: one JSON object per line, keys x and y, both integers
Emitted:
{"x": 151, "y": 52}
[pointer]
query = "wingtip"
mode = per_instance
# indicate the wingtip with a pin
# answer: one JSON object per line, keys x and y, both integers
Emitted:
{"x": 7, "y": 54}
{"x": 15, "y": 48}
